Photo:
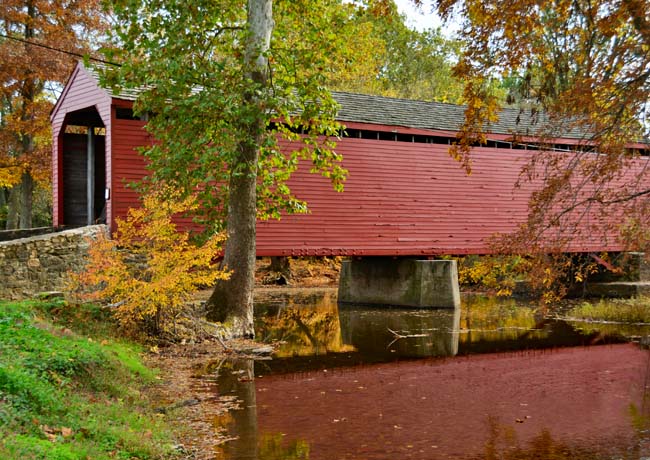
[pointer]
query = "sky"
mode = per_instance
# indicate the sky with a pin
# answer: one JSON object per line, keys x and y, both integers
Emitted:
{"x": 425, "y": 17}
{"x": 418, "y": 18}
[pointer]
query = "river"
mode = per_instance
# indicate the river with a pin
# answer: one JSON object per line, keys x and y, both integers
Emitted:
{"x": 495, "y": 380}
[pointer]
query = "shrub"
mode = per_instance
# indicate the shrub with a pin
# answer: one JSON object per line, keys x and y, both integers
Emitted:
{"x": 495, "y": 273}
{"x": 149, "y": 269}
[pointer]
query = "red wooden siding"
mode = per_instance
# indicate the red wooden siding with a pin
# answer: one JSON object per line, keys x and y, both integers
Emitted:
{"x": 128, "y": 165}
{"x": 80, "y": 92}
{"x": 401, "y": 198}
{"x": 407, "y": 199}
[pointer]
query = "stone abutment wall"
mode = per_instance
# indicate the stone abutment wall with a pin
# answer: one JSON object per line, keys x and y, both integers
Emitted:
{"x": 42, "y": 263}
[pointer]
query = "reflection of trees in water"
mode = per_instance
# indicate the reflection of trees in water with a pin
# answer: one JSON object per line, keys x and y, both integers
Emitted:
{"x": 236, "y": 378}
{"x": 304, "y": 330}
{"x": 612, "y": 329}
{"x": 310, "y": 323}
{"x": 494, "y": 318}
{"x": 502, "y": 444}
{"x": 487, "y": 320}
{"x": 274, "y": 447}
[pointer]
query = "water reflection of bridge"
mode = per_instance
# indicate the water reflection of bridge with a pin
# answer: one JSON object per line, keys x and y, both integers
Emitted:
{"x": 317, "y": 333}
{"x": 400, "y": 333}
{"x": 315, "y": 401}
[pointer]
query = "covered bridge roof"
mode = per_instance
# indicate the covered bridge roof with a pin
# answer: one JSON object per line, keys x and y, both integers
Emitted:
{"x": 381, "y": 110}
{"x": 363, "y": 108}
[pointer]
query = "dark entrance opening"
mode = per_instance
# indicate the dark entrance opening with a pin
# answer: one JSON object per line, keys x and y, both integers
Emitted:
{"x": 83, "y": 169}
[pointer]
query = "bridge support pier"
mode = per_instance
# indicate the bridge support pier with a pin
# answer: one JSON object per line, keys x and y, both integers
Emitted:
{"x": 634, "y": 281}
{"x": 400, "y": 282}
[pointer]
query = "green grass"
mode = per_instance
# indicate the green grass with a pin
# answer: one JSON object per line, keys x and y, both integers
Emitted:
{"x": 635, "y": 310}
{"x": 69, "y": 391}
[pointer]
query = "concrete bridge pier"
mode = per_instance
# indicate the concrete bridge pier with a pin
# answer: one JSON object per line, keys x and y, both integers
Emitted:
{"x": 633, "y": 281}
{"x": 403, "y": 282}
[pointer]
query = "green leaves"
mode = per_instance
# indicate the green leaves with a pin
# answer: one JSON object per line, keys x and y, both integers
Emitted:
{"x": 190, "y": 59}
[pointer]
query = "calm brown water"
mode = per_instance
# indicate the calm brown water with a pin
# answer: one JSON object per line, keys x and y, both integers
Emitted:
{"x": 494, "y": 381}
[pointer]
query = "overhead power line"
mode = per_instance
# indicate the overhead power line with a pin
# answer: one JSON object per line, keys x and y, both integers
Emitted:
{"x": 59, "y": 50}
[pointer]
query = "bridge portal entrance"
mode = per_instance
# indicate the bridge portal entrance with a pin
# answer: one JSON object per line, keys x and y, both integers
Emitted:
{"x": 83, "y": 168}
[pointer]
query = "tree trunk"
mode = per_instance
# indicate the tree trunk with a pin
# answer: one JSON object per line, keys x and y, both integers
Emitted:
{"x": 4, "y": 207}
{"x": 28, "y": 93}
{"x": 282, "y": 266}
{"x": 3, "y": 203}
{"x": 239, "y": 381}
{"x": 13, "y": 208}
{"x": 231, "y": 302}
{"x": 26, "y": 194}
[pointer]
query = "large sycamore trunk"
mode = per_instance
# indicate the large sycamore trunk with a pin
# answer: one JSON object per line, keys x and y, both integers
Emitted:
{"x": 232, "y": 300}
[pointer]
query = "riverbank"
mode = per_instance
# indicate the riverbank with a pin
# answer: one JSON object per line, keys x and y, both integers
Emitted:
{"x": 187, "y": 395}
{"x": 70, "y": 390}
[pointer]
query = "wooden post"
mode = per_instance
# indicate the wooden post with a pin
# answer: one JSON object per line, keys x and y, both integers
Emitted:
{"x": 90, "y": 176}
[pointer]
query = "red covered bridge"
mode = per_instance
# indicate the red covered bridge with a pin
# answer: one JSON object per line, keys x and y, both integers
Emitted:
{"x": 404, "y": 194}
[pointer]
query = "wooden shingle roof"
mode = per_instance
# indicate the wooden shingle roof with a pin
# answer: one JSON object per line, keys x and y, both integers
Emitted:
{"x": 363, "y": 108}
{"x": 389, "y": 111}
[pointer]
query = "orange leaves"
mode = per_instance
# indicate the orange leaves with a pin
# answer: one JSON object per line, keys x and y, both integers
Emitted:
{"x": 150, "y": 269}
{"x": 30, "y": 77}
{"x": 582, "y": 59}
{"x": 581, "y": 69}
{"x": 25, "y": 141}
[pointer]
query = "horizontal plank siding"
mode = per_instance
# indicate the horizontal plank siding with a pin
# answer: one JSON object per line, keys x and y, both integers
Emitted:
{"x": 400, "y": 198}
{"x": 409, "y": 199}
{"x": 128, "y": 166}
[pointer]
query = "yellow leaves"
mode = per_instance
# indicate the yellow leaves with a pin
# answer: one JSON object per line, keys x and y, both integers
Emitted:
{"x": 10, "y": 175}
{"x": 496, "y": 273}
{"x": 150, "y": 269}
{"x": 504, "y": 292}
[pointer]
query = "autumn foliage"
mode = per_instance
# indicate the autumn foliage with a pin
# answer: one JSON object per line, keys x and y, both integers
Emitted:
{"x": 496, "y": 273}
{"x": 572, "y": 67}
{"x": 149, "y": 269}
{"x": 39, "y": 44}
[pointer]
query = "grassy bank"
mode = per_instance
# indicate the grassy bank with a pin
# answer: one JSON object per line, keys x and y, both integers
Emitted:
{"x": 69, "y": 391}
{"x": 635, "y": 310}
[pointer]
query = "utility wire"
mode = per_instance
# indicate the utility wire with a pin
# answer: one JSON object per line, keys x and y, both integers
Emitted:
{"x": 59, "y": 50}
